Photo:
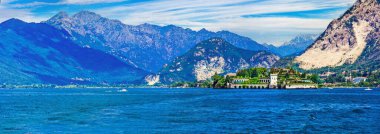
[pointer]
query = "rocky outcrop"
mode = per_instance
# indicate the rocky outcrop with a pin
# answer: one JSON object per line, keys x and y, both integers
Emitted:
{"x": 152, "y": 79}
{"x": 345, "y": 39}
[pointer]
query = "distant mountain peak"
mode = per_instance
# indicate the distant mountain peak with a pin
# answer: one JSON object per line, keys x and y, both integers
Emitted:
{"x": 300, "y": 40}
{"x": 295, "y": 46}
{"x": 61, "y": 14}
{"x": 203, "y": 30}
{"x": 146, "y": 24}
{"x": 13, "y": 22}
{"x": 226, "y": 32}
{"x": 87, "y": 16}
{"x": 86, "y": 13}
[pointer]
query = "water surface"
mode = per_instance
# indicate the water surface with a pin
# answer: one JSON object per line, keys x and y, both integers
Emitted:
{"x": 189, "y": 111}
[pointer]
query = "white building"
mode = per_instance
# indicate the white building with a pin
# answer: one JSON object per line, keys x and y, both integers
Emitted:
{"x": 273, "y": 80}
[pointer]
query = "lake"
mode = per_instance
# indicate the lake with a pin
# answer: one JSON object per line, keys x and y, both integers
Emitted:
{"x": 189, "y": 111}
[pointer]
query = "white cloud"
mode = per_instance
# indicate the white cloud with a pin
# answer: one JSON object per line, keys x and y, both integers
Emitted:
{"x": 22, "y": 14}
{"x": 6, "y": 1}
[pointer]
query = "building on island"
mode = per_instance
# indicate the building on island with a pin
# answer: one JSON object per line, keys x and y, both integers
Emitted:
{"x": 258, "y": 78}
{"x": 273, "y": 81}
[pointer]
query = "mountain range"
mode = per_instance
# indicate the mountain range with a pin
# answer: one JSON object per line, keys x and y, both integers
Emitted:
{"x": 145, "y": 46}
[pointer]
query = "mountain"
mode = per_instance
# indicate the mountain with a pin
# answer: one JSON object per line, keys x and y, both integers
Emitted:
{"x": 297, "y": 45}
{"x": 294, "y": 47}
{"x": 272, "y": 48}
{"x": 32, "y": 53}
{"x": 145, "y": 46}
{"x": 351, "y": 40}
{"x": 213, "y": 56}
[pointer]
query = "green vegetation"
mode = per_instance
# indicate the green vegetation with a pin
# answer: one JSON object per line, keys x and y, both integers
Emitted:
{"x": 253, "y": 73}
{"x": 220, "y": 81}
{"x": 292, "y": 76}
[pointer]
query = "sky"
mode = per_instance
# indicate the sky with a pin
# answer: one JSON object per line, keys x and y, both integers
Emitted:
{"x": 265, "y": 21}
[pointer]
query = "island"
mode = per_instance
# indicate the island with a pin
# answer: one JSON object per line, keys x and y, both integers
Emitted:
{"x": 263, "y": 78}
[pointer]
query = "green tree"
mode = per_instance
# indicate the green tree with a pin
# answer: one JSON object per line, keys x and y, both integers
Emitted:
{"x": 316, "y": 79}
{"x": 287, "y": 75}
{"x": 228, "y": 79}
{"x": 216, "y": 79}
{"x": 221, "y": 83}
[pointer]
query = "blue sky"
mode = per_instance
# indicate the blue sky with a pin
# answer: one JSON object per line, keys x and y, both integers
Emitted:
{"x": 266, "y": 21}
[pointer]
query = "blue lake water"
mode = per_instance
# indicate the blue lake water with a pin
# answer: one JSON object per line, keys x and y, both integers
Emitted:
{"x": 189, "y": 111}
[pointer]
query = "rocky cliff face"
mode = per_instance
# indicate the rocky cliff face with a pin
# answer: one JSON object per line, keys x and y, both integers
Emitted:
{"x": 346, "y": 38}
{"x": 144, "y": 46}
{"x": 214, "y": 56}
